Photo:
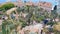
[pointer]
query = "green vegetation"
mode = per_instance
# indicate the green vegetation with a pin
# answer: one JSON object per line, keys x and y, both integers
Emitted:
{"x": 33, "y": 13}
{"x": 6, "y": 6}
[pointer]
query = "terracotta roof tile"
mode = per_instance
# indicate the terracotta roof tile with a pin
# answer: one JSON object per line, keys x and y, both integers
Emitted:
{"x": 30, "y": 3}
{"x": 45, "y": 4}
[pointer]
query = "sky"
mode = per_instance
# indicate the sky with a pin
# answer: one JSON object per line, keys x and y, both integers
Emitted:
{"x": 51, "y": 1}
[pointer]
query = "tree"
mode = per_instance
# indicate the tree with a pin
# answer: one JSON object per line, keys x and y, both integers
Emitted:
{"x": 6, "y": 6}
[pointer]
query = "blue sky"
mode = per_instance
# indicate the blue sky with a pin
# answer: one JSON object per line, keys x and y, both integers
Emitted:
{"x": 52, "y": 1}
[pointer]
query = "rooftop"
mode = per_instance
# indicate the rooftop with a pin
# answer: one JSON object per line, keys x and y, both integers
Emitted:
{"x": 45, "y": 4}
{"x": 51, "y": 1}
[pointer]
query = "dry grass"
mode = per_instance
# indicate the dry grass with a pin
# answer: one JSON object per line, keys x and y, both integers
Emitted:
{"x": 57, "y": 26}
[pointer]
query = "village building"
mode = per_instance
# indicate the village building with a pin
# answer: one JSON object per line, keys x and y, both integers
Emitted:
{"x": 45, "y": 5}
